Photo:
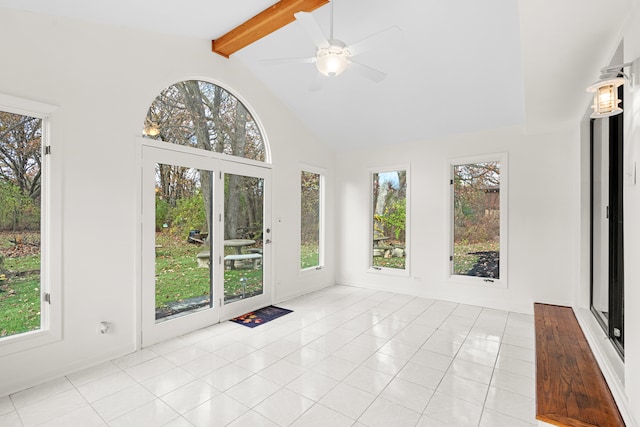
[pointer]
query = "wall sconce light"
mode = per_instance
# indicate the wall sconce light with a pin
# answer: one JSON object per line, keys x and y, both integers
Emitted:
{"x": 605, "y": 98}
{"x": 151, "y": 129}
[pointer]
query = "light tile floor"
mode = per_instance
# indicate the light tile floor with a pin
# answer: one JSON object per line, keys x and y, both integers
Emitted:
{"x": 345, "y": 357}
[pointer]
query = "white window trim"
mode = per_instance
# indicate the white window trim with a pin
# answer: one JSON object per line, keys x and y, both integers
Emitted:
{"x": 504, "y": 215}
{"x": 51, "y": 235}
{"x": 406, "y": 272}
{"x": 322, "y": 217}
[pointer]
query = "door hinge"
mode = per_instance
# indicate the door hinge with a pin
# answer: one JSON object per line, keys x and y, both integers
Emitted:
{"x": 450, "y": 257}
{"x": 219, "y": 302}
{"x": 47, "y": 149}
{"x": 47, "y": 297}
{"x": 220, "y": 217}
{"x": 607, "y": 212}
{"x": 219, "y": 259}
{"x": 451, "y": 182}
{"x": 220, "y": 175}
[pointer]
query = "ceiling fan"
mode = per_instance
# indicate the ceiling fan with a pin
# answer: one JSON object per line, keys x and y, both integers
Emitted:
{"x": 333, "y": 56}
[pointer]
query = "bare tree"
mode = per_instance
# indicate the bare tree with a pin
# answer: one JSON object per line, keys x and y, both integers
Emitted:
{"x": 206, "y": 116}
{"x": 20, "y": 159}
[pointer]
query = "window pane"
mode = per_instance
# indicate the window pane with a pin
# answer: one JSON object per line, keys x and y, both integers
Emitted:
{"x": 203, "y": 115}
{"x": 476, "y": 210}
{"x": 20, "y": 199}
{"x": 310, "y": 220}
{"x": 389, "y": 219}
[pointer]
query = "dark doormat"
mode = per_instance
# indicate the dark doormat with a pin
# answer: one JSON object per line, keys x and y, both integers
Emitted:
{"x": 258, "y": 317}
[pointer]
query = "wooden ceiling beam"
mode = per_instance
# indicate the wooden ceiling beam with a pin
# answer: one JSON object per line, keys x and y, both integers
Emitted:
{"x": 264, "y": 23}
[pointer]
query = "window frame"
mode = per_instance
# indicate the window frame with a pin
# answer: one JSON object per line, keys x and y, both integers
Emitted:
{"x": 406, "y": 272}
{"x": 51, "y": 231}
{"x": 321, "y": 218}
{"x": 502, "y": 282}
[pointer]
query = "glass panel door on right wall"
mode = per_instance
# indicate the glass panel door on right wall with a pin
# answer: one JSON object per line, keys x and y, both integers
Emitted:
{"x": 607, "y": 246}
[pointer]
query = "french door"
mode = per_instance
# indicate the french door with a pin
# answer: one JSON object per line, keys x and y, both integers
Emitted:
{"x": 205, "y": 241}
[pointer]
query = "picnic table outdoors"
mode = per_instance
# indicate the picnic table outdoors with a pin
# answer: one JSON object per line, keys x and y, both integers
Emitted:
{"x": 379, "y": 239}
{"x": 239, "y": 244}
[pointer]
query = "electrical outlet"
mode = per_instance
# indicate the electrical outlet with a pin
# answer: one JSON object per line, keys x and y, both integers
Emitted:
{"x": 104, "y": 327}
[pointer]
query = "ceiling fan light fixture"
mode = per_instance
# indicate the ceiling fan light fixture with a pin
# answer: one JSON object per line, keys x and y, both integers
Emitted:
{"x": 333, "y": 60}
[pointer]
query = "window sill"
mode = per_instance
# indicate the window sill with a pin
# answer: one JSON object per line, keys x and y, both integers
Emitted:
{"x": 311, "y": 270}
{"x": 477, "y": 281}
{"x": 388, "y": 271}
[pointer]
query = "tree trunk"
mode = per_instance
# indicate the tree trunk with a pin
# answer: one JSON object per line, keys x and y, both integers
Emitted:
{"x": 194, "y": 102}
{"x": 232, "y": 213}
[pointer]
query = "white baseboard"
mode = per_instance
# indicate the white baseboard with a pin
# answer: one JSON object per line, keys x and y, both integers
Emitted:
{"x": 25, "y": 381}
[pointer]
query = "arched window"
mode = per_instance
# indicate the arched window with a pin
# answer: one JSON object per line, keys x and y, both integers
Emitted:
{"x": 203, "y": 115}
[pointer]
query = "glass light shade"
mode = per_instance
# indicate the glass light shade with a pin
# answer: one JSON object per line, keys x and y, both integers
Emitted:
{"x": 151, "y": 130}
{"x": 605, "y": 98}
{"x": 332, "y": 61}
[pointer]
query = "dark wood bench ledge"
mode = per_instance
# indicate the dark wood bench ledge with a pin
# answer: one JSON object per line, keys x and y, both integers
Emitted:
{"x": 570, "y": 388}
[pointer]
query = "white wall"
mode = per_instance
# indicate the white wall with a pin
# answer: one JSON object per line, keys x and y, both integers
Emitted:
{"x": 631, "y": 223}
{"x": 104, "y": 79}
{"x": 543, "y": 250}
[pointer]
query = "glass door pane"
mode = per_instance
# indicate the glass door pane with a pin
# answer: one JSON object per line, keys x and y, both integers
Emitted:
{"x": 245, "y": 248}
{"x": 183, "y": 269}
{"x": 243, "y": 237}
{"x": 177, "y": 267}
{"x": 600, "y": 221}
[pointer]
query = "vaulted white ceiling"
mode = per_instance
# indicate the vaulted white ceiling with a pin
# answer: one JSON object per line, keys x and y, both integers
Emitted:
{"x": 457, "y": 66}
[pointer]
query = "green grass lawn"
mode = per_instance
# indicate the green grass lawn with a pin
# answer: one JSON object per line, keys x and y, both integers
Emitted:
{"x": 463, "y": 260}
{"x": 19, "y": 292}
{"x": 398, "y": 263}
{"x": 393, "y": 262}
{"x": 309, "y": 256}
{"x": 178, "y": 276}
{"x": 20, "y": 305}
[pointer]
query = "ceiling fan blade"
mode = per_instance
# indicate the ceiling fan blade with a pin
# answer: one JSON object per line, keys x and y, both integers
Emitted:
{"x": 383, "y": 37}
{"x": 367, "y": 72}
{"x": 317, "y": 83}
{"x": 280, "y": 61}
{"x": 312, "y": 28}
